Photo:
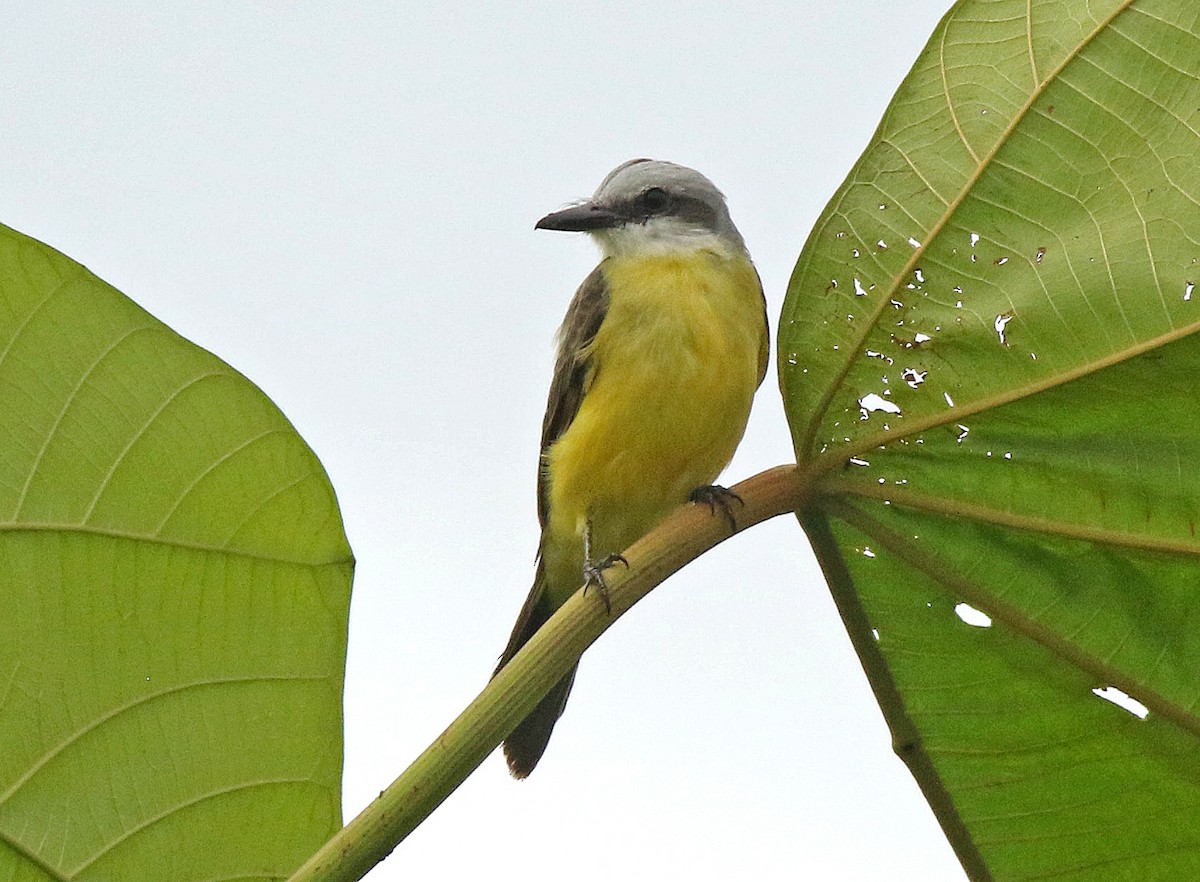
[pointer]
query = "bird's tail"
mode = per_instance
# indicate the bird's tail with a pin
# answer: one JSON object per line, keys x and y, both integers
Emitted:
{"x": 525, "y": 746}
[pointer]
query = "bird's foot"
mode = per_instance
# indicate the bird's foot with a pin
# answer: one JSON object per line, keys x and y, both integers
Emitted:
{"x": 593, "y": 576}
{"x": 715, "y": 496}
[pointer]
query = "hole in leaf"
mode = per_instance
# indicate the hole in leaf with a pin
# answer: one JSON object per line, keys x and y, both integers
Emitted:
{"x": 972, "y": 616}
{"x": 1123, "y": 700}
{"x": 1001, "y": 321}
{"x": 872, "y": 402}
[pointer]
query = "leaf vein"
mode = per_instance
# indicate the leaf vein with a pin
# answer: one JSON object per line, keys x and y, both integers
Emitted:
{"x": 140, "y": 700}
{"x": 66, "y": 406}
{"x": 141, "y": 432}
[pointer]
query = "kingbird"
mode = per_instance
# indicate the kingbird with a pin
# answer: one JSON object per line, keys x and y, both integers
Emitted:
{"x": 659, "y": 356}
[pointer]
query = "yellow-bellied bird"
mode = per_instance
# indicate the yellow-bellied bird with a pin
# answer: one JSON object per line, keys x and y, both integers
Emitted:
{"x": 659, "y": 357}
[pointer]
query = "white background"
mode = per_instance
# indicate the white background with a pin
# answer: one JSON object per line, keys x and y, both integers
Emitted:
{"x": 338, "y": 199}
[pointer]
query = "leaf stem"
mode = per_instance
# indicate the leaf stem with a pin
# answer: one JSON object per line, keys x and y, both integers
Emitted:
{"x": 435, "y": 774}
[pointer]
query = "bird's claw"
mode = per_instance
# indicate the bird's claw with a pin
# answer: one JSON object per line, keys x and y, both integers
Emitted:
{"x": 593, "y": 576}
{"x": 715, "y": 496}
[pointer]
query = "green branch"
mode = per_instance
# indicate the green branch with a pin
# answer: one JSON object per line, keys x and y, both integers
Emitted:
{"x": 685, "y": 535}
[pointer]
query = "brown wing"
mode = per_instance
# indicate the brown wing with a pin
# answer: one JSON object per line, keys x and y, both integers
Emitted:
{"x": 573, "y": 369}
{"x": 764, "y": 347}
{"x": 573, "y": 372}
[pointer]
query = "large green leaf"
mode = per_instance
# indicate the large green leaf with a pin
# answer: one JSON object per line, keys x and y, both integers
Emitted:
{"x": 990, "y": 361}
{"x": 175, "y": 581}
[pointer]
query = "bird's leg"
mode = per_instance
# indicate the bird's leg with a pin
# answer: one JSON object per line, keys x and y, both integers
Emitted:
{"x": 593, "y": 571}
{"x": 716, "y": 496}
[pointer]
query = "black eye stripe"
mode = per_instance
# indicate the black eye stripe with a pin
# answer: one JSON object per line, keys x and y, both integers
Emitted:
{"x": 658, "y": 202}
{"x": 695, "y": 210}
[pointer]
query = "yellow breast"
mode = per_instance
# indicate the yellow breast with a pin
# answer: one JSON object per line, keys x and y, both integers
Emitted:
{"x": 676, "y": 362}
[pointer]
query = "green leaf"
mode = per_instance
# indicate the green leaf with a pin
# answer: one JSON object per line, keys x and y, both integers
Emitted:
{"x": 989, "y": 358}
{"x": 175, "y": 584}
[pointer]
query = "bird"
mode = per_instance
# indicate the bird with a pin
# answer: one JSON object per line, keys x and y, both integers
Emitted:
{"x": 659, "y": 356}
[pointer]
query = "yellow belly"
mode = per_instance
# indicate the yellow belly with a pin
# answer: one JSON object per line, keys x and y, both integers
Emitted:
{"x": 677, "y": 360}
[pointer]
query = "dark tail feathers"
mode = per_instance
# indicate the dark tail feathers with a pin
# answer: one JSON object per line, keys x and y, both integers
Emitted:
{"x": 525, "y": 746}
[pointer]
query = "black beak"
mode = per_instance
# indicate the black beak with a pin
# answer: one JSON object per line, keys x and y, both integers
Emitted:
{"x": 581, "y": 218}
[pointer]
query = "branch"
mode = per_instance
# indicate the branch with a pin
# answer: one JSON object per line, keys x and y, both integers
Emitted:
{"x": 687, "y": 533}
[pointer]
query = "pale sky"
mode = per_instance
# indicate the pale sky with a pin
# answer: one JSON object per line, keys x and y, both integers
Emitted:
{"x": 339, "y": 201}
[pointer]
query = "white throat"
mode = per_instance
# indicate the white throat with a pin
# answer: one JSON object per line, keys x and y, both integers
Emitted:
{"x": 661, "y": 235}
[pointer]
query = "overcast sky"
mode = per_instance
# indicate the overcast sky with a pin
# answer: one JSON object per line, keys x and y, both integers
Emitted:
{"x": 338, "y": 199}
